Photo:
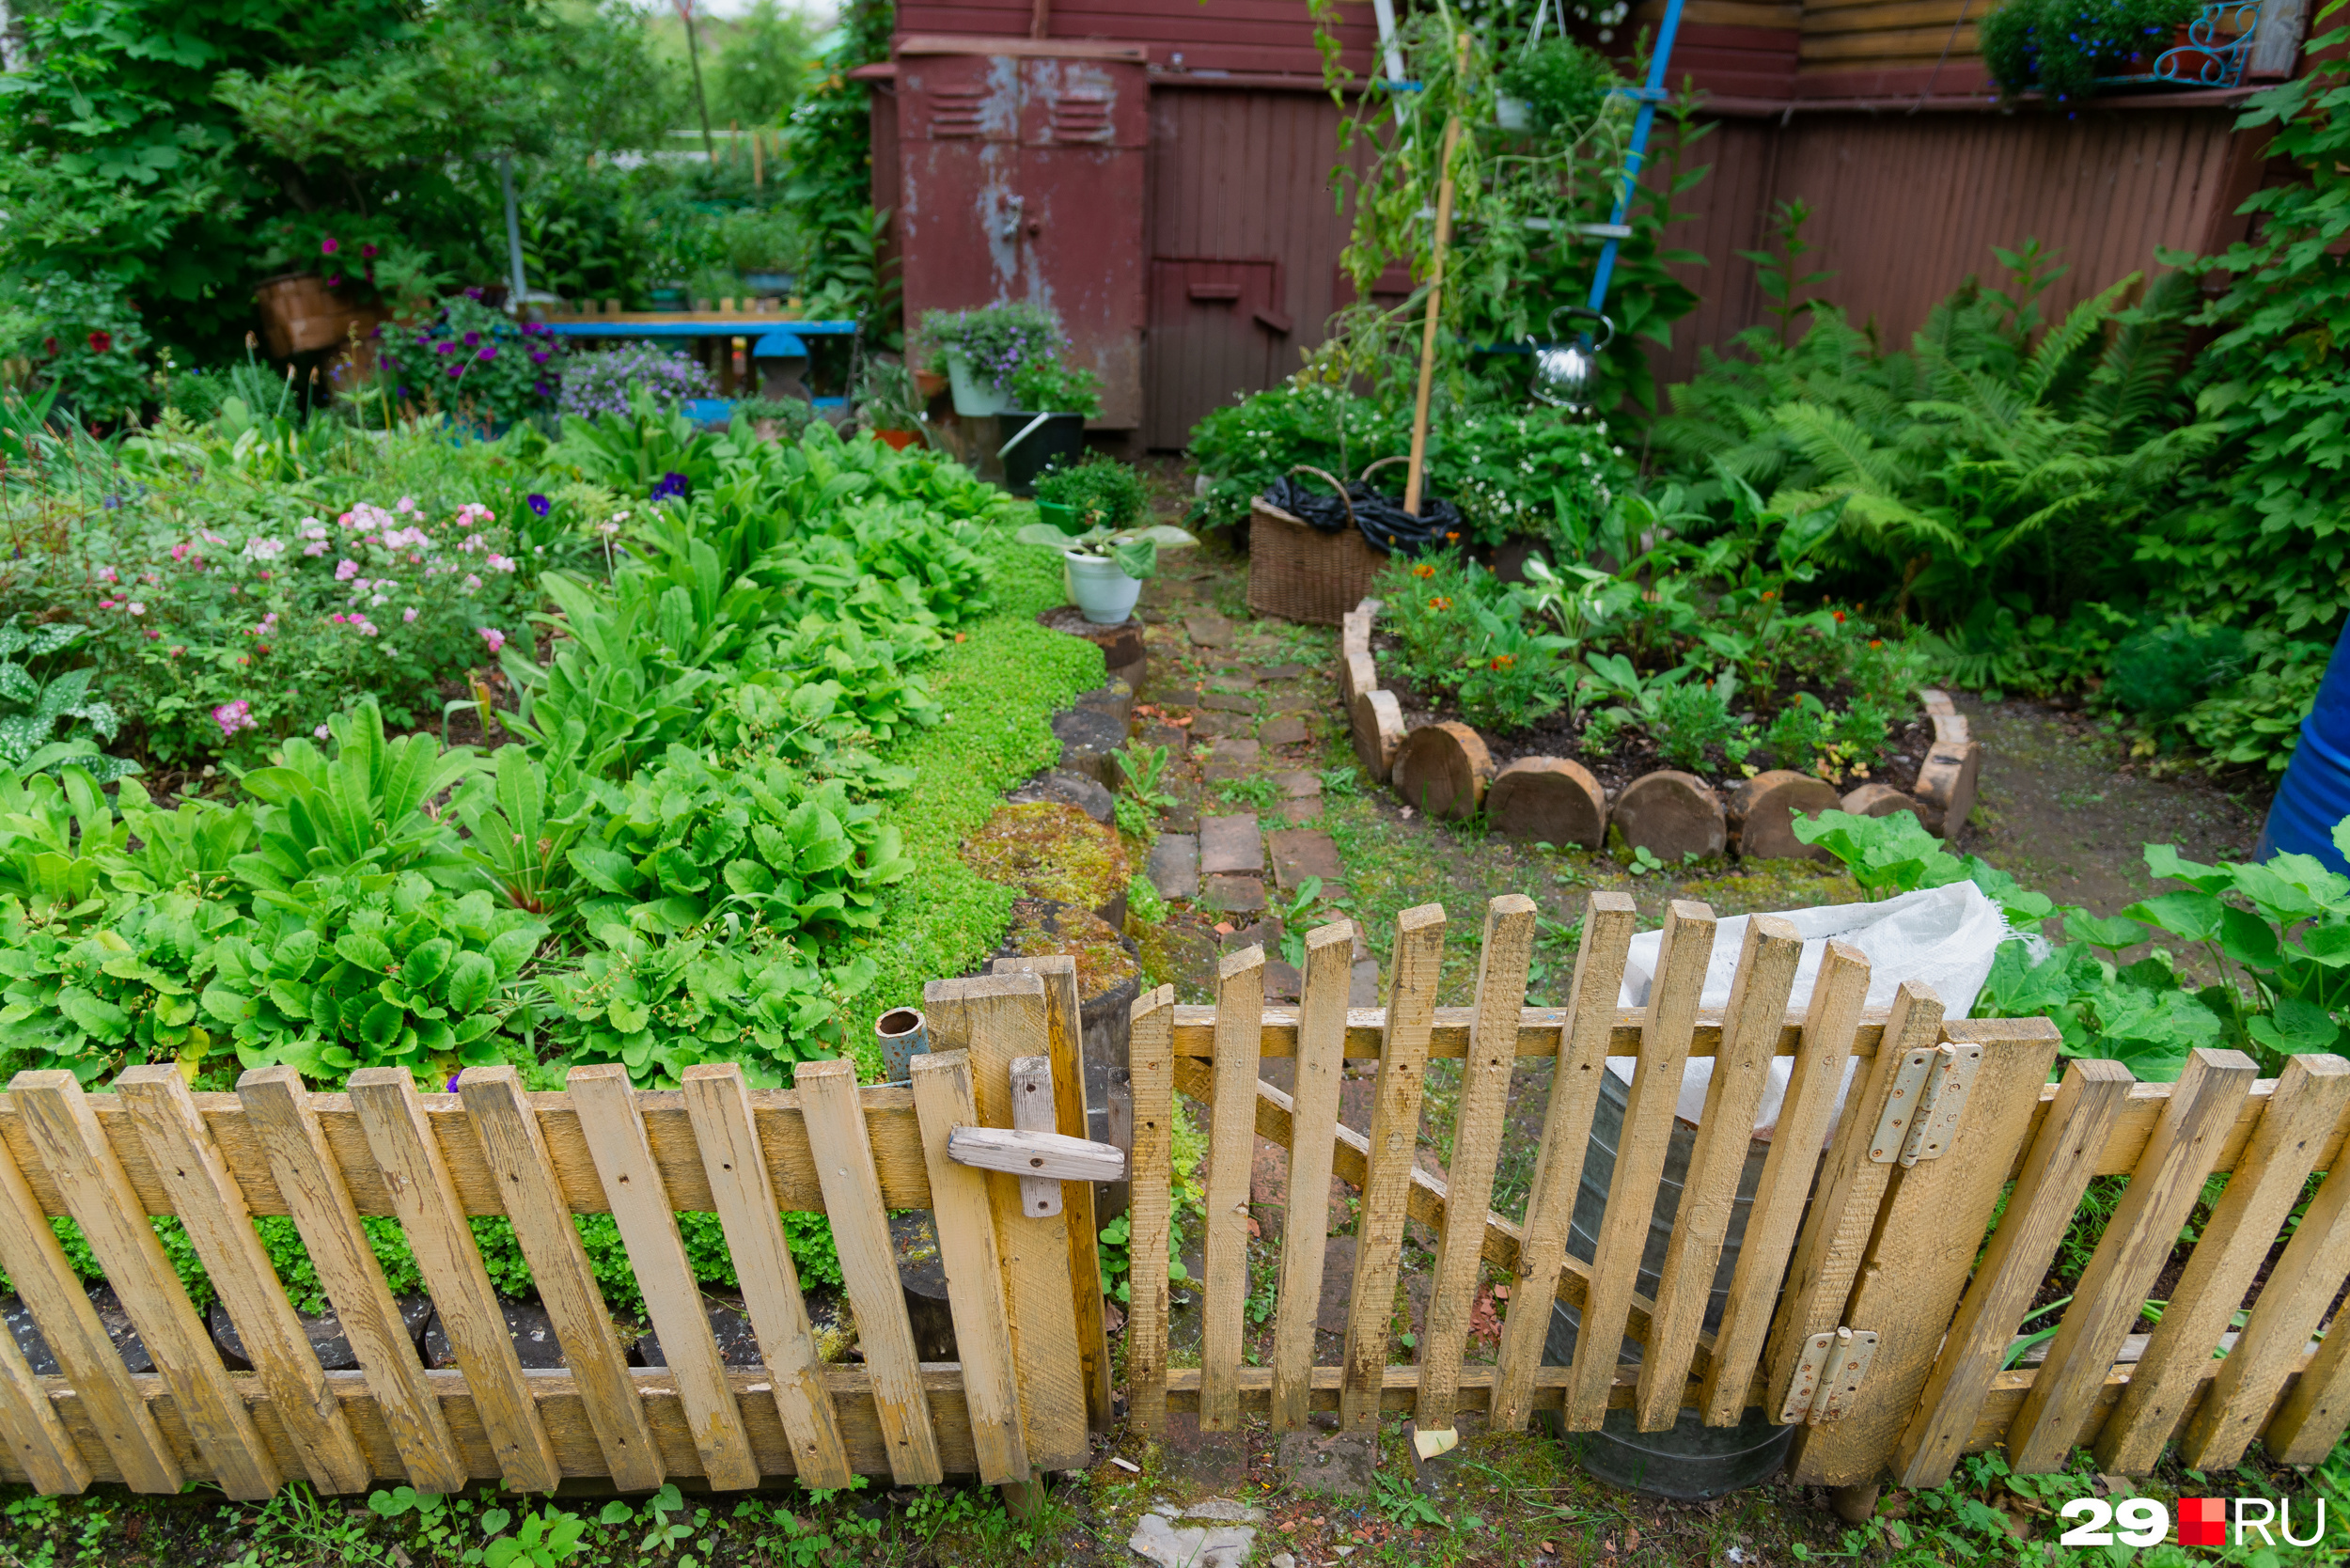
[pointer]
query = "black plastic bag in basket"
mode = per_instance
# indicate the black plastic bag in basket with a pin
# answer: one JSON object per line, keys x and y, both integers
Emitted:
{"x": 1382, "y": 518}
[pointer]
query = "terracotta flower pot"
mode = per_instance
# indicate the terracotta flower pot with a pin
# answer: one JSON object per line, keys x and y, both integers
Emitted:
{"x": 929, "y": 383}
{"x": 897, "y": 441}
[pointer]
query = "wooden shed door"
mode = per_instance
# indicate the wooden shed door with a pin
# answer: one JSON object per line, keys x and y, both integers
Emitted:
{"x": 1024, "y": 180}
{"x": 1216, "y": 335}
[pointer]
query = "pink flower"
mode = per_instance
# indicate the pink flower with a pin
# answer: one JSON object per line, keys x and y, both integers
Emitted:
{"x": 472, "y": 584}
{"x": 408, "y": 614}
{"x": 406, "y": 503}
{"x": 233, "y": 716}
{"x": 329, "y": 245}
{"x": 135, "y": 607}
{"x": 179, "y": 551}
{"x": 316, "y": 547}
{"x": 346, "y": 570}
{"x": 501, "y": 563}
{"x": 322, "y": 732}
{"x": 109, "y": 603}
{"x": 106, "y": 574}
{"x": 495, "y": 638}
{"x": 154, "y": 636}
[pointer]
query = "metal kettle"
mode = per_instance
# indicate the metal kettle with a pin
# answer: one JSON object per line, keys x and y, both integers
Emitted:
{"x": 1563, "y": 372}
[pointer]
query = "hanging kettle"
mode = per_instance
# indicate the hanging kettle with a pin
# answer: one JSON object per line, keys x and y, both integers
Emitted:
{"x": 1563, "y": 372}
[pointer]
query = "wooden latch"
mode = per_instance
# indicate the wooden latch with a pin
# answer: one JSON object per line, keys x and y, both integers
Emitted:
{"x": 1827, "y": 1376}
{"x": 1030, "y": 1148}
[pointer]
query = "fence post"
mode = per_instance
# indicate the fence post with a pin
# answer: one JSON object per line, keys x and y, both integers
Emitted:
{"x": 1151, "y": 1062}
{"x": 1232, "y": 1156}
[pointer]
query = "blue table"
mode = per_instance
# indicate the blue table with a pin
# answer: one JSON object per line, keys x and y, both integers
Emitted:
{"x": 775, "y": 338}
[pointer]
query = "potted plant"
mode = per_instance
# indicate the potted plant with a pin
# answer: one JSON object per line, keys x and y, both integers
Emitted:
{"x": 888, "y": 405}
{"x": 1108, "y": 566}
{"x": 1046, "y": 425}
{"x": 979, "y": 351}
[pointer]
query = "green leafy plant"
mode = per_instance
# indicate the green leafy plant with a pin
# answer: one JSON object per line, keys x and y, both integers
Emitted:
{"x": 541, "y": 1539}
{"x": 994, "y": 341}
{"x": 1101, "y": 490}
{"x": 1776, "y": 275}
{"x": 1135, "y": 550}
{"x": 1046, "y": 385}
{"x": 887, "y": 400}
{"x": 32, "y": 706}
{"x": 2062, "y": 47}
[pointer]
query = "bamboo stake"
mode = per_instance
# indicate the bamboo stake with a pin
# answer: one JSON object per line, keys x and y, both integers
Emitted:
{"x": 1435, "y": 298}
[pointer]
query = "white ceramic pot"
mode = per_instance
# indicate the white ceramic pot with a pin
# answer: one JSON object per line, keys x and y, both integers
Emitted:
{"x": 975, "y": 398}
{"x": 1101, "y": 589}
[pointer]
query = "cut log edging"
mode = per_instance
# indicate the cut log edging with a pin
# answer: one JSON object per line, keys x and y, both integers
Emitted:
{"x": 1558, "y": 800}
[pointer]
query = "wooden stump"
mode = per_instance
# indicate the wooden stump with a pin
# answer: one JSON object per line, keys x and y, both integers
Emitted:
{"x": 1670, "y": 814}
{"x": 1356, "y": 675}
{"x": 1763, "y": 810}
{"x": 1443, "y": 769}
{"x": 1946, "y": 786}
{"x": 1549, "y": 800}
{"x": 1378, "y": 723}
{"x": 1878, "y": 800}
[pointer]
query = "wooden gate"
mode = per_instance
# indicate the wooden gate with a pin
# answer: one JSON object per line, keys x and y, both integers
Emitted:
{"x": 1024, "y": 1289}
{"x": 1851, "y": 1312}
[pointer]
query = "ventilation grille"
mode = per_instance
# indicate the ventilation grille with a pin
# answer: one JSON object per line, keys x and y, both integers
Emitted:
{"x": 1081, "y": 116}
{"x": 955, "y": 112}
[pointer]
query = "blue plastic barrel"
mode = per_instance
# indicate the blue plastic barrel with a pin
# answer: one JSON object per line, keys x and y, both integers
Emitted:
{"x": 2315, "y": 794}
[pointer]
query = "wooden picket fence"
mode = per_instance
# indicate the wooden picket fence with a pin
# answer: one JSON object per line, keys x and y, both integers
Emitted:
{"x": 1032, "y": 1378}
{"x": 1858, "y": 1311}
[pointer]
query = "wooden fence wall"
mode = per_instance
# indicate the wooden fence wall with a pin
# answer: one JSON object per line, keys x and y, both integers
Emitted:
{"x": 1886, "y": 1246}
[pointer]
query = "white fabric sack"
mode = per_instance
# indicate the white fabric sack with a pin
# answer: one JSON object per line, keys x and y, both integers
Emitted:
{"x": 1943, "y": 938}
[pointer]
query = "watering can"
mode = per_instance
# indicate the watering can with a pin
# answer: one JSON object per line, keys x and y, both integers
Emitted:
{"x": 1563, "y": 371}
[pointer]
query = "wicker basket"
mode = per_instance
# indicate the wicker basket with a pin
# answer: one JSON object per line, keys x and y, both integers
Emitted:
{"x": 1298, "y": 573}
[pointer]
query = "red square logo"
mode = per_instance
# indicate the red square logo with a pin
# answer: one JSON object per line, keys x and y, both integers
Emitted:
{"x": 2202, "y": 1521}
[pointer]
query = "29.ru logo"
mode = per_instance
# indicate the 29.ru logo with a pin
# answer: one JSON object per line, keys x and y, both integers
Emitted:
{"x": 2202, "y": 1522}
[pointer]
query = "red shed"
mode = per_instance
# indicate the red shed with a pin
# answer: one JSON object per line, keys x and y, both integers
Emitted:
{"x": 1158, "y": 173}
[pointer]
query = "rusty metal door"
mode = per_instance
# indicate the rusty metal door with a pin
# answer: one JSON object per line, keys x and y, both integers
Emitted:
{"x": 1218, "y": 333}
{"x": 1024, "y": 180}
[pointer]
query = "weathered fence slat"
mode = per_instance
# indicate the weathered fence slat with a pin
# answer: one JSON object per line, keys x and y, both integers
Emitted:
{"x": 2292, "y": 1306}
{"x": 1679, "y": 982}
{"x": 1815, "y": 1081}
{"x": 719, "y": 1103}
{"x": 975, "y": 1276}
{"x": 1608, "y": 921}
{"x": 656, "y": 1255}
{"x": 2056, "y": 1173}
{"x": 1419, "y": 955}
{"x": 503, "y": 1118}
{"x": 217, "y": 1226}
{"x": 2308, "y": 1099}
{"x": 2137, "y": 1242}
{"x": 1926, "y": 1240}
{"x": 46, "y": 1283}
{"x": 1757, "y": 999}
{"x": 1304, "y": 1218}
{"x": 37, "y": 1442}
{"x": 2317, "y": 1410}
{"x": 1001, "y": 1018}
{"x": 1851, "y": 1187}
{"x": 1480, "y": 1120}
{"x": 423, "y": 1199}
{"x": 311, "y": 1183}
{"x": 1232, "y": 1156}
{"x": 869, "y": 1266}
{"x": 1150, "y": 1070}
{"x": 99, "y": 1195}
{"x": 1064, "y": 1023}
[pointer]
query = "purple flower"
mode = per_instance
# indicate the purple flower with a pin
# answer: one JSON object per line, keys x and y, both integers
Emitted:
{"x": 233, "y": 716}
{"x": 539, "y": 356}
{"x": 456, "y": 371}
{"x": 446, "y": 348}
{"x": 540, "y": 505}
{"x": 488, "y": 353}
{"x": 471, "y": 339}
{"x": 329, "y": 245}
{"x": 672, "y": 484}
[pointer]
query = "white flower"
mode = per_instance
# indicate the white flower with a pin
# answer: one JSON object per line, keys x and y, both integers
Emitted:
{"x": 259, "y": 549}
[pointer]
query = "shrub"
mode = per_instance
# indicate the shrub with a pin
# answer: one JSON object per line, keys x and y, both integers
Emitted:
{"x": 601, "y": 381}
{"x": 478, "y": 359}
{"x": 1694, "y": 720}
{"x": 85, "y": 338}
{"x": 1102, "y": 490}
{"x": 2062, "y": 46}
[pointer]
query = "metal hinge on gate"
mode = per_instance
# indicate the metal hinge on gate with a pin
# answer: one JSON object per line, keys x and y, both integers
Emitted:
{"x": 1930, "y": 1090}
{"x": 1827, "y": 1375}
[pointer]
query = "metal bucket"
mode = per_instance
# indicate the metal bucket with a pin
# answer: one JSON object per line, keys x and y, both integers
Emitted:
{"x": 1691, "y": 1460}
{"x": 2315, "y": 793}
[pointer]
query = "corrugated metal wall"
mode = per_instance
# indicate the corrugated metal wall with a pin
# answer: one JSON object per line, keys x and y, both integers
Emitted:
{"x": 1906, "y": 206}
